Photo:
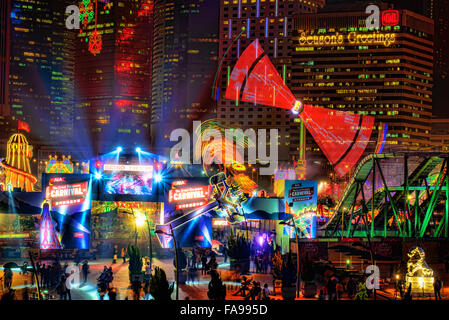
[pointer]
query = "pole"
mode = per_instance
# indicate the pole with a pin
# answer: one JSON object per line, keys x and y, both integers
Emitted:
{"x": 176, "y": 262}
{"x": 298, "y": 282}
{"x": 149, "y": 237}
{"x": 35, "y": 276}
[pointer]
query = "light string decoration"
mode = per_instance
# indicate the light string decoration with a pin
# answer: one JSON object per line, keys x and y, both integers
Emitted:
{"x": 95, "y": 41}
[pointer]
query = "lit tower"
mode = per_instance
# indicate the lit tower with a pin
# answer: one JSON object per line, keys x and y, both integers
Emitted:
{"x": 17, "y": 163}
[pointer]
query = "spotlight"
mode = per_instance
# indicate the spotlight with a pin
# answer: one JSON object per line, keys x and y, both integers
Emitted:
{"x": 138, "y": 150}
{"x": 98, "y": 175}
{"x": 157, "y": 177}
{"x": 119, "y": 149}
{"x": 97, "y": 164}
{"x": 255, "y": 193}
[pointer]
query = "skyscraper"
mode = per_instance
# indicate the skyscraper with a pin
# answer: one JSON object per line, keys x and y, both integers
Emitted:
{"x": 185, "y": 59}
{"x": 5, "y": 14}
{"x": 386, "y": 73}
{"x": 113, "y": 87}
{"x": 271, "y": 22}
{"x": 41, "y": 73}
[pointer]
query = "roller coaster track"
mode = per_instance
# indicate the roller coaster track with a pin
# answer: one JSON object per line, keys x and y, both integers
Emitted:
{"x": 390, "y": 199}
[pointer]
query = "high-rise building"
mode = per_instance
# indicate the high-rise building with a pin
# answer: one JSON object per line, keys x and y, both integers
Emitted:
{"x": 339, "y": 64}
{"x": 271, "y": 23}
{"x": 440, "y": 134}
{"x": 5, "y": 18}
{"x": 113, "y": 87}
{"x": 185, "y": 56}
{"x": 41, "y": 71}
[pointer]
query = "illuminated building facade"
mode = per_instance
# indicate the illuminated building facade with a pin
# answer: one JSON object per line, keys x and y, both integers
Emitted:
{"x": 41, "y": 68}
{"x": 338, "y": 63}
{"x": 17, "y": 163}
{"x": 440, "y": 134}
{"x": 185, "y": 51}
{"x": 271, "y": 22}
{"x": 113, "y": 87}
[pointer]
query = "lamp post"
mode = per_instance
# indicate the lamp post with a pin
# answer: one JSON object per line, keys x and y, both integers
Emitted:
{"x": 176, "y": 256}
{"x": 298, "y": 282}
{"x": 149, "y": 237}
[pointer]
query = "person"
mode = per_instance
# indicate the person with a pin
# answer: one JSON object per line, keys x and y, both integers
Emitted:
{"x": 339, "y": 289}
{"x": 351, "y": 286}
{"x": 123, "y": 255}
{"x": 61, "y": 289}
{"x": 109, "y": 277}
{"x": 266, "y": 293}
{"x": 255, "y": 291}
{"x": 114, "y": 254}
{"x": 408, "y": 294}
{"x": 437, "y": 288}
{"x": 112, "y": 293}
{"x": 194, "y": 258}
{"x": 7, "y": 278}
{"x": 331, "y": 288}
{"x": 321, "y": 295}
{"x": 225, "y": 253}
{"x": 212, "y": 265}
{"x": 203, "y": 263}
{"x": 85, "y": 270}
{"x": 243, "y": 288}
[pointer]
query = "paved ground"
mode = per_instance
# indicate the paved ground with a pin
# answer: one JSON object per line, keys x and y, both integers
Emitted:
{"x": 194, "y": 290}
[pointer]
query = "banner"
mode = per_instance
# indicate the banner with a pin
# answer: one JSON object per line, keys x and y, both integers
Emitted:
{"x": 301, "y": 201}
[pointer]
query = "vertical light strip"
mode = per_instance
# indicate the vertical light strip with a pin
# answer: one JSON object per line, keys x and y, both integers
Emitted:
{"x": 247, "y": 28}
{"x": 230, "y": 28}
{"x": 266, "y": 27}
{"x": 229, "y": 73}
{"x": 283, "y": 73}
{"x": 285, "y": 26}
{"x": 257, "y": 9}
{"x": 240, "y": 8}
{"x": 238, "y": 48}
{"x": 276, "y": 9}
{"x": 275, "y": 47}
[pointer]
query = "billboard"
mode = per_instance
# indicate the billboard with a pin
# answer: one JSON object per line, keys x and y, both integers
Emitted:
{"x": 128, "y": 179}
{"x": 301, "y": 201}
{"x": 69, "y": 208}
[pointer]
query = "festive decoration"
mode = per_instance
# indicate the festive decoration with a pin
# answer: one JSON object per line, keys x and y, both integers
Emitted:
{"x": 419, "y": 275}
{"x": 95, "y": 41}
{"x": 17, "y": 163}
{"x": 86, "y": 12}
{"x": 342, "y": 136}
{"x": 53, "y": 165}
{"x": 48, "y": 236}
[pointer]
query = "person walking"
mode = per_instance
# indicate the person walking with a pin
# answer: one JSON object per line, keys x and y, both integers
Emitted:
{"x": 61, "y": 288}
{"x": 225, "y": 253}
{"x": 266, "y": 293}
{"x": 7, "y": 278}
{"x": 437, "y": 284}
{"x": 339, "y": 289}
{"x": 114, "y": 254}
{"x": 351, "y": 286}
{"x": 123, "y": 255}
{"x": 85, "y": 270}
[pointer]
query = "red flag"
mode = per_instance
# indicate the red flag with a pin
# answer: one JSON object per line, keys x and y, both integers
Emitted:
{"x": 24, "y": 126}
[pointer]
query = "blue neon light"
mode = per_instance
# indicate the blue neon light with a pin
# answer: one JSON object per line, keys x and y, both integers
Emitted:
{"x": 266, "y": 27}
{"x": 247, "y": 28}
{"x": 285, "y": 26}
{"x": 230, "y": 28}
{"x": 257, "y": 9}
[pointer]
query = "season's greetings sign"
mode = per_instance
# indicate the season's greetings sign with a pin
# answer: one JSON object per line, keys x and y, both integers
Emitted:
{"x": 352, "y": 38}
{"x": 301, "y": 201}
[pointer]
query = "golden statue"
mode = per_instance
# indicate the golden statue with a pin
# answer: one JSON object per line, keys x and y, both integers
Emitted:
{"x": 17, "y": 163}
{"x": 419, "y": 275}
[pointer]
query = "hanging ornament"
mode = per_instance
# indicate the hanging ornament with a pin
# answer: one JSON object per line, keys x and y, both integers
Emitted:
{"x": 86, "y": 12}
{"x": 95, "y": 41}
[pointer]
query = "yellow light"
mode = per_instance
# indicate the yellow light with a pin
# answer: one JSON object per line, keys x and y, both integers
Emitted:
{"x": 140, "y": 219}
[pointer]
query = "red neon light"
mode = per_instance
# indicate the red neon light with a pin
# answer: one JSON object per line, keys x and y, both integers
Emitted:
{"x": 186, "y": 194}
{"x": 190, "y": 205}
{"x": 57, "y": 179}
{"x": 179, "y": 183}
{"x": 67, "y": 190}
{"x": 342, "y": 136}
{"x": 78, "y": 234}
{"x": 390, "y": 18}
{"x": 199, "y": 238}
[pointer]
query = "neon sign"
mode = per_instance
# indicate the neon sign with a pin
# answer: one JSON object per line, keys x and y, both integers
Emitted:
{"x": 192, "y": 193}
{"x": 352, "y": 38}
{"x": 67, "y": 194}
{"x": 130, "y": 168}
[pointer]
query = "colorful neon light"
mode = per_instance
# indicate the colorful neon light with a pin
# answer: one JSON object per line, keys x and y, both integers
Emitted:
{"x": 342, "y": 136}
{"x": 182, "y": 194}
{"x": 49, "y": 238}
{"x": 128, "y": 168}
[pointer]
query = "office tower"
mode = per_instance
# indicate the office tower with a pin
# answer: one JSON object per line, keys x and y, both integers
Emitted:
{"x": 41, "y": 71}
{"x": 5, "y": 9}
{"x": 113, "y": 87}
{"x": 386, "y": 73}
{"x": 185, "y": 56}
